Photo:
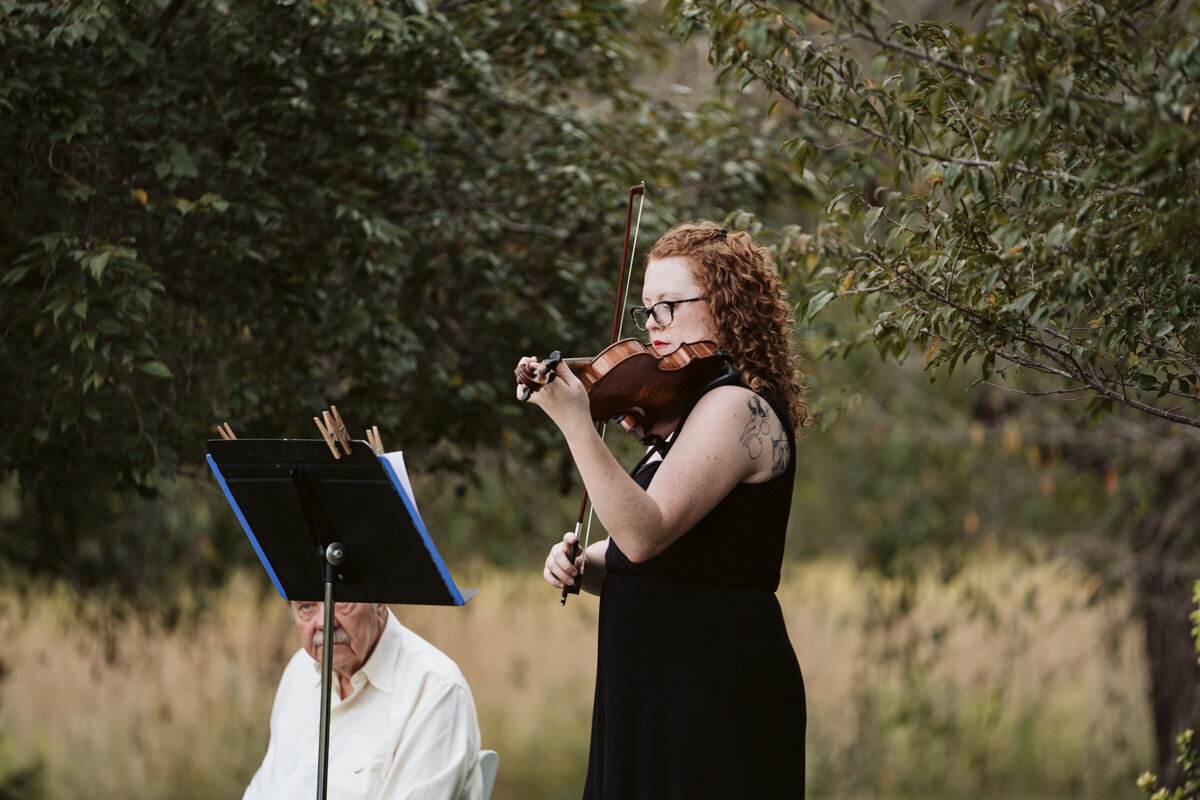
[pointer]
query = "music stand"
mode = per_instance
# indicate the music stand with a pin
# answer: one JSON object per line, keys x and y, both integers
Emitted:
{"x": 316, "y": 522}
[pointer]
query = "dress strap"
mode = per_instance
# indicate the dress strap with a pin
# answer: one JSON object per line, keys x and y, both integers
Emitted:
{"x": 661, "y": 446}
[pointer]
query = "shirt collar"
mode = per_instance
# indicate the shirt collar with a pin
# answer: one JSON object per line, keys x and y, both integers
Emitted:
{"x": 379, "y": 669}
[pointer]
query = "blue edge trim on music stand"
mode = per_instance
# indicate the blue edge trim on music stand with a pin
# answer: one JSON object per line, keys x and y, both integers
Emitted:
{"x": 420, "y": 525}
{"x": 412, "y": 511}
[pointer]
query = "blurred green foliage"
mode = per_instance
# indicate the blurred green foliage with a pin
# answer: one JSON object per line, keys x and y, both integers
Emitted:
{"x": 1018, "y": 192}
{"x": 245, "y": 212}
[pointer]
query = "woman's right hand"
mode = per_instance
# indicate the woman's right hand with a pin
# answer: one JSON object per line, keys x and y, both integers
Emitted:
{"x": 564, "y": 400}
{"x": 560, "y": 571}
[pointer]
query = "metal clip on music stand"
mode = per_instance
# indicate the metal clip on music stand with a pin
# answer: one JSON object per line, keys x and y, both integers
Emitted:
{"x": 316, "y": 522}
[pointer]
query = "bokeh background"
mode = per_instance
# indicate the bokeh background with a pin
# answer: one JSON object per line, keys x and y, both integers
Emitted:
{"x": 222, "y": 211}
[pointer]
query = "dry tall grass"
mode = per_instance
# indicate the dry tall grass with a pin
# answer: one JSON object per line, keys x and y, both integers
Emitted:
{"x": 1015, "y": 698}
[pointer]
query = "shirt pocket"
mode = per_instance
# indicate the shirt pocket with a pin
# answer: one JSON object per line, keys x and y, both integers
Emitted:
{"x": 359, "y": 768}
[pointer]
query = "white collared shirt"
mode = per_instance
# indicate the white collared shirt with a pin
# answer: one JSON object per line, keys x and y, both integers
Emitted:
{"x": 408, "y": 730}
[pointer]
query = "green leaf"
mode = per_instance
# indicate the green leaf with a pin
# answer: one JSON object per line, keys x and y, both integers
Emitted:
{"x": 1022, "y": 302}
{"x": 13, "y": 276}
{"x": 816, "y": 303}
{"x": 97, "y": 262}
{"x": 156, "y": 368}
{"x": 871, "y": 218}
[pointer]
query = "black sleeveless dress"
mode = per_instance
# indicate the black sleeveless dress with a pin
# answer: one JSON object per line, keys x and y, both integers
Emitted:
{"x": 698, "y": 691}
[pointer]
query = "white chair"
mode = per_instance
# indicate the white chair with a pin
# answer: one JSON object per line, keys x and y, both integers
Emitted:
{"x": 489, "y": 762}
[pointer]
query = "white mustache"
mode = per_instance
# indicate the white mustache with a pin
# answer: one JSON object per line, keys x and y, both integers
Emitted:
{"x": 339, "y": 637}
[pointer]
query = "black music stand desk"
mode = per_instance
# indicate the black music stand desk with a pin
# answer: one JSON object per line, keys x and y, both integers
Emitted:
{"x": 316, "y": 521}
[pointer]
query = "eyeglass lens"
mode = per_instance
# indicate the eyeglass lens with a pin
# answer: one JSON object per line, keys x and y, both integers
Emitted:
{"x": 663, "y": 314}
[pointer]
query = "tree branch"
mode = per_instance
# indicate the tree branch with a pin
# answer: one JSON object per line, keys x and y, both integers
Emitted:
{"x": 941, "y": 157}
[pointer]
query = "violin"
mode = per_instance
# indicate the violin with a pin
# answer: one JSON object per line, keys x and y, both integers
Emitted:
{"x": 629, "y": 382}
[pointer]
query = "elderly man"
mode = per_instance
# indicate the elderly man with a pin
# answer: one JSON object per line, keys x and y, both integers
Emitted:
{"x": 402, "y": 720}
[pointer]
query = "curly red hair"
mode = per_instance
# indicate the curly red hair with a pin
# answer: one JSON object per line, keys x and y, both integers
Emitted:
{"x": 748, "y": 304}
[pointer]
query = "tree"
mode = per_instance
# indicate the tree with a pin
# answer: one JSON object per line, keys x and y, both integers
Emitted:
{"x": 245, "y": 212}
{"x": 1019, "y": 195}
{"x": 1023, "y": 194}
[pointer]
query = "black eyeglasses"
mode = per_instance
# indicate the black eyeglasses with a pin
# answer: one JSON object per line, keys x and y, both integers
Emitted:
{"x": 663, "y": 313}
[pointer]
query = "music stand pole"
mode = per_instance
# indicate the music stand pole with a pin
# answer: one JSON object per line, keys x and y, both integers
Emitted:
{"x": 335, "y": 554}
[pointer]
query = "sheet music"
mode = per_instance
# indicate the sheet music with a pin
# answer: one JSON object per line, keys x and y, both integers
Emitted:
{"x": 396, "y": 459}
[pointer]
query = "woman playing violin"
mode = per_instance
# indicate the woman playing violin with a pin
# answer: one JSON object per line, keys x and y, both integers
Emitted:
{"x": 698, "y": 690}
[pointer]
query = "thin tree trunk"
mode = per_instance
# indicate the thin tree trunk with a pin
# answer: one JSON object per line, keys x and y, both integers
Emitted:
{"x": 1166, "y": 541}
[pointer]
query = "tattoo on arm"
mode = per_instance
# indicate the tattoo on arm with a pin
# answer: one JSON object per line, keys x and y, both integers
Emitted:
{"x": 779, "y": 455}
{"x": 758, "y": 435}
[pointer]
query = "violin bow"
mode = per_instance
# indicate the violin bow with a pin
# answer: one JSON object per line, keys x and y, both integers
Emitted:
{"x": 626, "y": 271}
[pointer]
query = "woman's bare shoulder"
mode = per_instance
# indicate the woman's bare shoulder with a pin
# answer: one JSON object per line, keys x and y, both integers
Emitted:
{"x": 761, "y": 435}
{"x": 736, "y": 400}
